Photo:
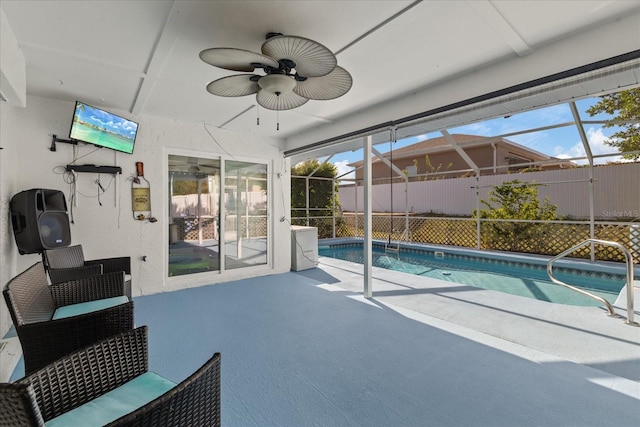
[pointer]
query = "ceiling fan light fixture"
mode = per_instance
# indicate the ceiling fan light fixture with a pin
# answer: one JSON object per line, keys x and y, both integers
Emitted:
{"x": 296, "y": 69}
{"x": 277, "y": 84}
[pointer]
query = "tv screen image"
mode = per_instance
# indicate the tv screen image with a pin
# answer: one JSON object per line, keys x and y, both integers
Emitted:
{"x": 95, "y": 126}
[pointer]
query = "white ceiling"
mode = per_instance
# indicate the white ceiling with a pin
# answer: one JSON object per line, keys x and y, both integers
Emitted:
{"x": 405, "y": 57}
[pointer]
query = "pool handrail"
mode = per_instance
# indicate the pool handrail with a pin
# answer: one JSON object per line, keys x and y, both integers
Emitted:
{"x": 630, "y": 279}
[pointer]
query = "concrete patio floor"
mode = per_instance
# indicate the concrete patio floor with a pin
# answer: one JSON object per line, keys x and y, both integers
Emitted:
{"x": 584, "y": 335}
{"x": 306, "y": 349}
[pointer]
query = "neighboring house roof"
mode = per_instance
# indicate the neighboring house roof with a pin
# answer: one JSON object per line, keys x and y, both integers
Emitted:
{"x": 440, "y": 144}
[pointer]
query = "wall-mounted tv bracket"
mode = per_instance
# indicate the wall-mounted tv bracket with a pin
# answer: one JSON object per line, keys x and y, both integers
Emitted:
{"x": 54, "y": 139}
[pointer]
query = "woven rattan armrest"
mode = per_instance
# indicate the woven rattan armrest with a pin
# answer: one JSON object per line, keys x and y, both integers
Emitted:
{"x": 110, "y": 265}
{"x": 89, "y": 373}
{"x": 45, "y": 342}
{"x": 18, "y": 403}
{"x": 193, "y": 402}
{"x": 59, "y": 275}
{"x": 88, "y": 289}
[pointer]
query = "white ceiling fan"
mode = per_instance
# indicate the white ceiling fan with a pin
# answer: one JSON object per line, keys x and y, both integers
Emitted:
{"x": 193, "y": 165}
{"x": 296, "y": 69}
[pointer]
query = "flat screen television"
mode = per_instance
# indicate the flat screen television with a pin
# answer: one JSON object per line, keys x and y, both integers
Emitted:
{"x": 103, "y": 129}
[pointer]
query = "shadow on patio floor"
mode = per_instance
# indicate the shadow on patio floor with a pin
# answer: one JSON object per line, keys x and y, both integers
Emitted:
{"x": 296, "y": 354}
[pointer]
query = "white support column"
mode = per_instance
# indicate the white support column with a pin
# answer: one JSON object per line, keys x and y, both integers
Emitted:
{"x": 238, "y": 215}
{"x": 406, "y": 209}
{"x": 333, "y": 208}
{"x": 587, "y": 150}
{"x": 246, "y": 208}
{"x": 222, "y": 216}
{"x": 306, "y": 198}
{"x": 357, "y": 230}
{"x": 367, "y": 252}
{"x": 199, "y": 209}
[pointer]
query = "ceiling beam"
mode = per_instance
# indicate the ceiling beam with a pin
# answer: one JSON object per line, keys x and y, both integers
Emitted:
{"x": 13, "y": 74}
{"x": 498, "y": 23}
{"x": 158, "y": 57}
{"x": 377, "y": 27}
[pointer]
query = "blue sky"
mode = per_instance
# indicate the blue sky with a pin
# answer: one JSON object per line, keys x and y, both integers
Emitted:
{"x": 561, "y": 142}
{"x": 103, "y": 119}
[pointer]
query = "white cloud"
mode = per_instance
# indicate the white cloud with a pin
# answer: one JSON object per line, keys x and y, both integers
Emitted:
{"x": 597, "y": 142}
{"x": 479, "y": 128}
{"x": 343, "y": 168}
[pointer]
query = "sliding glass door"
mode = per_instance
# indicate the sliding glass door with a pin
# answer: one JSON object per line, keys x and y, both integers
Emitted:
{"x": 194, "y": 194}
{"x": 216, "y": 225}
{"x": 245, "y": 209}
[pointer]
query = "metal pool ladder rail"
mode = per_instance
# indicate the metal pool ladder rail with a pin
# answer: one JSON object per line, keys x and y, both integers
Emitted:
{"x": 389, "y": 248}
{"x": 630, "y": 285}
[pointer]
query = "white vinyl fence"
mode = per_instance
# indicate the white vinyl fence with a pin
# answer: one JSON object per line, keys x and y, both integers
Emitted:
{"x": 616, "y": 193}
{"x": 188, "y": 205}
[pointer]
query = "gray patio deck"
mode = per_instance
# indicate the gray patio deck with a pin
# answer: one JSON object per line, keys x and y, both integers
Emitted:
{"x": 584, "y": 335}
{"x": 306, "y": 349}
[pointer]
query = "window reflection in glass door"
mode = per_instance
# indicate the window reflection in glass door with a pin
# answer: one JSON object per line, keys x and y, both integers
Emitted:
{"x": 194, "y": 197}
{"x": 245, "y": 208}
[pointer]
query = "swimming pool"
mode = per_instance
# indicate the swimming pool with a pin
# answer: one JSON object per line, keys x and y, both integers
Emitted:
{"x": 515, "y": 276}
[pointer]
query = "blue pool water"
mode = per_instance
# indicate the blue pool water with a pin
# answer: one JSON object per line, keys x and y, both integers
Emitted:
{"x": 513, "y": 277}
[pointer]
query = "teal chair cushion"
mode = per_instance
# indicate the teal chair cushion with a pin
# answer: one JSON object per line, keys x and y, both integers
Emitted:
{"x": 116, "y": 403}
{"x": 88, "y": 307}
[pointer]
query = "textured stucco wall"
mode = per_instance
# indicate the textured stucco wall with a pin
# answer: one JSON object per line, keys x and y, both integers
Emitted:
{"x": 105, "y": 227}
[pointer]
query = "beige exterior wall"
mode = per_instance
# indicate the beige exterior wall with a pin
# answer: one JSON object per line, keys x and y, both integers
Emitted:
{"x": 451, "y": 161}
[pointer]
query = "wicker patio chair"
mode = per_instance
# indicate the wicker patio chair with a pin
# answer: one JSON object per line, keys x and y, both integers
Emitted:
{"x": 56, "y": 394}
{"x": 35, "y": 307}
{"x": 68, "y": 263}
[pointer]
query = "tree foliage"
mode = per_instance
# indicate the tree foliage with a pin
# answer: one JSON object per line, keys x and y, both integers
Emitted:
{"x": 181, "y": 188}
{"x": 624, "y": 106}
{"x": 320, "y": 190}
{"x": 515, "y": 200}
{"x": 326, "y": 170}
{"x": 430, "y": 169}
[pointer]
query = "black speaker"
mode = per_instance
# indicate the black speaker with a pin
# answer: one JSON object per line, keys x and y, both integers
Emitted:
{"x": 40, "y": 221}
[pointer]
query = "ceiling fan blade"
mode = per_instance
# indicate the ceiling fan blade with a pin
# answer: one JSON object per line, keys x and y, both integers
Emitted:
{"x": 285, "y": 101}
{"x": 236, "y": 59}
{"x": 312, "y": 59}
{"x": 236, "y": 85}
{"x": 333, "y": 85}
